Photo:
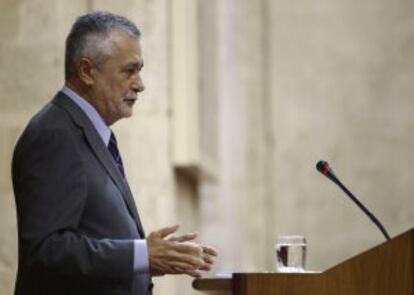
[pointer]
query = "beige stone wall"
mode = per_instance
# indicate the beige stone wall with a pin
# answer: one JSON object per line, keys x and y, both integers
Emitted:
{"x": 299, "y": 82}
{"x": 342, "y": 90}
{"x": 286, "y": 83}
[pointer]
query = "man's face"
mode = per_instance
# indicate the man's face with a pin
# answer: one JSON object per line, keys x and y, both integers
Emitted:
{"x": 117, "y": 81}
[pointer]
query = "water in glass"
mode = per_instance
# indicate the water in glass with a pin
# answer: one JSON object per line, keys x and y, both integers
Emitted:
{"x": 290, "y": 254}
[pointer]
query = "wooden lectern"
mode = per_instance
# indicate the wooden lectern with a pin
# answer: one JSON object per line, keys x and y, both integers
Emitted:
{"x": 387, "y": 269}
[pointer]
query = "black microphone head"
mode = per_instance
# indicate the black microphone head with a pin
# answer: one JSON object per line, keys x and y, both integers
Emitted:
{"x": 323, "y": 167}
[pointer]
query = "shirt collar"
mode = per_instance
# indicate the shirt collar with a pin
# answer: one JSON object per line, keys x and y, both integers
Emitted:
{"x": 96, "y": 119}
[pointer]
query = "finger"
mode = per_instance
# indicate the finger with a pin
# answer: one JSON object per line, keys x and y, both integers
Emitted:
{"x": 208, "y": 259}
{"x": 194, "y": 274}
{"x": 185, "y": 268}
{"x": 165, "y": 231}
{"x": 191, "y": 260}
{"x": 179, "y": 270}
{"x": 206, "y": 267}
{"x": 208, "y": 263}
{"x": 184, "y": 238}
{"x": 188, "y": 248}
{"x": 209, "y": 250}
{"x": 175, "y": 267}
{"x": 170, "y": 267}
{"x": 182, "y": 265}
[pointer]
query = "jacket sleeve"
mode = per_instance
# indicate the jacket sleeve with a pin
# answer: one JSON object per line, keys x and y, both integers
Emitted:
{"x": 50, "y": 190}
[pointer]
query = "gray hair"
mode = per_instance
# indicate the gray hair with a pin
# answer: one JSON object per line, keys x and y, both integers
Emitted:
{"x": 88, "y": 34}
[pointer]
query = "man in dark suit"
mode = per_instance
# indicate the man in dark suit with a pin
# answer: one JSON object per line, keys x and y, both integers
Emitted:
{"x": 78, "y": 228}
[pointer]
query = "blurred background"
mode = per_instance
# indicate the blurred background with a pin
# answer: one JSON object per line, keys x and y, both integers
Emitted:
{"x": 242, "y": 99}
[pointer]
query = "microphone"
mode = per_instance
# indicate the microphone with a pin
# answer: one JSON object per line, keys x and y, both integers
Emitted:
{"x": 323, "y": 167}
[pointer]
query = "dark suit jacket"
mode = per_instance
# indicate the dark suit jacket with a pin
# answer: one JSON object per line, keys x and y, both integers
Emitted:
{"x": 76, "y": 216}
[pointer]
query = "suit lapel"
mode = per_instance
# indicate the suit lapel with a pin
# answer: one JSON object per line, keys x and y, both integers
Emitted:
{"x": 101, "y": 152}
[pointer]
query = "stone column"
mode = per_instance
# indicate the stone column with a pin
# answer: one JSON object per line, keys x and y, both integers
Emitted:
{"x": 234, "y": 207}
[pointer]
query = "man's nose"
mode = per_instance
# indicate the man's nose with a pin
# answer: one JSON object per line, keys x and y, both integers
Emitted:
{"x": 138, "y": 85}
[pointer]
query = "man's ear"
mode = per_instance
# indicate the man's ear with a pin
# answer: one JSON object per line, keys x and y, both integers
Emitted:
{"x": 86, "y": 71}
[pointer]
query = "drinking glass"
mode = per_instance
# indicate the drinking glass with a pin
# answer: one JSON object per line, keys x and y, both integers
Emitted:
{"x": 290, "y": 254}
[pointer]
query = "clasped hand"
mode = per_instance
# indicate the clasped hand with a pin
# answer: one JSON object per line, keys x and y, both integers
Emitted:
{"x": 178, "y": 255}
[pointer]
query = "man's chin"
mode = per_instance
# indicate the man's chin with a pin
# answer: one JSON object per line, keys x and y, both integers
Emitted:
{"x": 125, "y": 114}
{"x": 128, "y": 113}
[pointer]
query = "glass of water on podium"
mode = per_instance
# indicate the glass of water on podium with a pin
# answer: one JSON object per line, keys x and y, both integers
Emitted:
{"x": 290, "y": 254}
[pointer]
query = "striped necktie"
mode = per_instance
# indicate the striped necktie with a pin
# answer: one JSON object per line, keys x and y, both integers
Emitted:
{"x": 113, "y": 149}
